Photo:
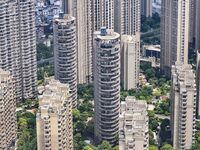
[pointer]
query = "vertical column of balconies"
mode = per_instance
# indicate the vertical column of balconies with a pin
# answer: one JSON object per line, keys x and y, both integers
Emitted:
{"x": 103, "y": 14}
{"x": 28, "y": 47}
{"x": 182, "y": 119}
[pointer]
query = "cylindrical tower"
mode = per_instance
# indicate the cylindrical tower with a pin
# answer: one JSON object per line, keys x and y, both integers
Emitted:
{"x": 65, "y": 53}
{"x": 107, "y": 84}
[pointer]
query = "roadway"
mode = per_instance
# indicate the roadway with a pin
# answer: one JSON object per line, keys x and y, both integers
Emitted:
{"x": 48, "y": 60}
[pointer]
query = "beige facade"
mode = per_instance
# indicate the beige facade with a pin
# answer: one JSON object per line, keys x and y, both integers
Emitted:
{"x": 8, "y": 119}
{"x": 103, "y": 14}
{"x": 133, "y": 125}
{"x": 65, "y": 53}
{"x": 146, "y": 8}
{"x": 54, "y": 118}
{"x": 106, "y": 84}
{"x": 130, "y": 61}
{"x": 127, "y": 16}
{"x": 82, "y": 11}
{"x": 18, "y": 45}
{"x": 175, "y": 29}
{"x": 183, "y": 106}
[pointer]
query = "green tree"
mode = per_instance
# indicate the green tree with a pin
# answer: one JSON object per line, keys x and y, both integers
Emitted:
{"x": 166, "y": 147}
{"x": 85, "y": 91}
{"x": 196, "y": 146}
{"x": 123, "y": 95}
{"x": 90, "y": 128}
{"x": 79, "y": 126}
{"x": 197, "y": 125}
{"x": 26, "y": 131}
{"x": 44, "y": 52}
{"x": 165, "y": 134}
{"x": 79, "y": 144}
{"x": 151, "y": 138}
{"x": 150, "y": 73}
{"x": 87, "y": 148}
{"x": 151, "y": 114}
{"x": 22, "y": 123}
{"x": 145, "y": 65}
{"x": 153, "y": 147}
{"x": 153, "y": 124}
{"x": 116, "y": 148}
{"x": 197, "y": 136}
{"x": 86, "y": 106}
{"x": 104, "y": 146}
{"x": 157, "y": 92}
{"x": 76, "y": 115}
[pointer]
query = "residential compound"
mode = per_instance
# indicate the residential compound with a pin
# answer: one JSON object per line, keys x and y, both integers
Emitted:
{"x": 175, "y": 22}
{"x": 65, "y": 53}
{"x": 130, "y": 61}
{"x": 133, "y": 125}
{"x": 54, "y": 118}
{"x": 18, "y": 45}
{"x": 8, "y": 119}
{"x": 183, "y": 106}
{"x": 106, "y": 84}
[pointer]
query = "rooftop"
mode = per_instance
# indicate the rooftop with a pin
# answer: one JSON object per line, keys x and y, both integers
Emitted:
{"x": 107, "y": 34}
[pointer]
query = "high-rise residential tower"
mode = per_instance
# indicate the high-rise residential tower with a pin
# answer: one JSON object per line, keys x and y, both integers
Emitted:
{"x": 183, "y": 106}
{"x": 133, "y": 125}
{"x": 146, "y": 8}
{"x": 103, "y": 14}
{"x": 127, "y": 16}
{"x": 18, "y": 45}
{"x": 8, "y": 119}
{"x": 130, "y": 61}
{"x": 107, "y": 84}
{"x": 65, "y": 53}
{"x": 175, "y": 27}
{"x": 82, "y": 11}
{"x": 54, "y": 118}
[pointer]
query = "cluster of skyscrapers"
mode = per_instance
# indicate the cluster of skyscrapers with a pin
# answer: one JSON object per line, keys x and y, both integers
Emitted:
{"x": 180, "y": 32}
{"x": 98, "y": 41}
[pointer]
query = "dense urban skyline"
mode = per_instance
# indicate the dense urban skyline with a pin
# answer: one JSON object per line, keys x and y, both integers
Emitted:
{"x": 99, "y": 74}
